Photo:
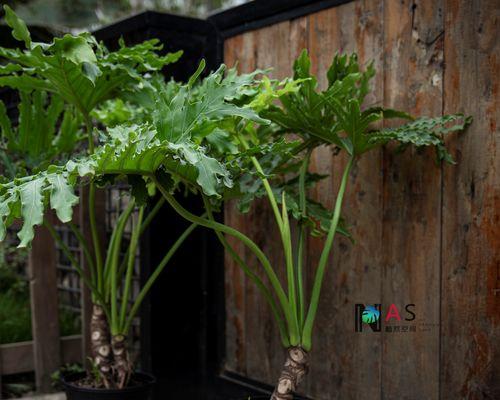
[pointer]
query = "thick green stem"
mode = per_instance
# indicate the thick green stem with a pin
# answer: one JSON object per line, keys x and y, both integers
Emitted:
{"x": 91, "y": 204}
{"x": 130, "y": 266}
{"x": 96, "y": 244}
{"x": 302, "y": 236}
{"x": 144, "y": 226}
{"x": 290, "y": 268}
{"x": 247, "y": 241}
{"x": 90, "y": 133}
{"x": 320, "y": 272}
{"x": 247, "y": 270}
{"x": 154, "y": 276}
{"x": 112, "y": 265}
{"x": 267, "y": 186}
{"x": 284, "y": 229}
{"x": 116, "y": 235}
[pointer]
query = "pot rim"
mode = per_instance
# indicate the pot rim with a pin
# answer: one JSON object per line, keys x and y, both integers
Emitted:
{"x": 67, "y": 380}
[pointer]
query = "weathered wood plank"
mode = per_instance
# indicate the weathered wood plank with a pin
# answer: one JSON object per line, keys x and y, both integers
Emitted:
{"x": 470, "y": 349}
{"x": 324, "y": 38}
{"x": 266, "y": 356}
{"x": 44, "y": 308}
{"x": 16, "y": 358}
{"x": 412, "y": 202}
{"x": 239, "y": 49}
{"x": 265, "y": 48}
{"x": 345, "y": 364}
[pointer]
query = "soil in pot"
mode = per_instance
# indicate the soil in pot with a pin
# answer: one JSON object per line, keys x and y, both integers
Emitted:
{"x": 140, "y": 389}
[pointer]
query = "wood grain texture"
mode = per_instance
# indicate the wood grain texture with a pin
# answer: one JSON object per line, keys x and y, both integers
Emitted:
{"x": 425, "y": 234}
{"x": 411, "y": 250}
{"x": 345, "y": 363}
{"x": 17, "y": 358}
{"x": 235, "y": 281}
{"x": 470, "y": 306}
{"x": 264, "y": 335}
{"x": 44, "y": 308}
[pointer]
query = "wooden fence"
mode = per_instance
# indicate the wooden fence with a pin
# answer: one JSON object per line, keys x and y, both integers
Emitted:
{"x": 48, "y": 351}
{"x": 425, "y": 234}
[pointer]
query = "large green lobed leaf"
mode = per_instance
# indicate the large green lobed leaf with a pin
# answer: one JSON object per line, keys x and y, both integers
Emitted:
{"x": 77, "y": 68}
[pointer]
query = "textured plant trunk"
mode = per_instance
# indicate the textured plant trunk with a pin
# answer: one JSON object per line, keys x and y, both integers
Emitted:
{"x": 101, "y": 345}
{"x": 295, "y": 368}
{"x": 121, "y": 363}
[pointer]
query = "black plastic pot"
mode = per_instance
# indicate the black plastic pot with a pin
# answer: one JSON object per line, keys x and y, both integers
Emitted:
{"x": 142, "y": 391}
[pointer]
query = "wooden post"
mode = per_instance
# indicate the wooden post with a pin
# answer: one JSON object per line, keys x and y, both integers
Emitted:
{"x": 470, "y": 276}
{"x": 100, "y": 211}
{"x": 411, "y": 224}
{"x": 44, "y": 308}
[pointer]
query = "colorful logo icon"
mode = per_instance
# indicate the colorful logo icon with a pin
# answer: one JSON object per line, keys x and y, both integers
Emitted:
{"x": 370, "y": 315}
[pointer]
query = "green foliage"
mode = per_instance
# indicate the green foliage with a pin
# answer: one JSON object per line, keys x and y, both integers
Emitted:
{"x": 115, "y": 112}
{"x": 172, "y": 142}
{"x": 15, "y": 317}
{"x": 19, "y": 29}
{"x": 335, "y": 116}
{"x": 318, "y": 217}
{"x": 423, "y": 132}
{"x": 268, "y": 163}
{"x": 15, "y": 309}
{"x": 77, "y": 68}
{"x": 64, "y": 370}
{"x": 46, "y": 131}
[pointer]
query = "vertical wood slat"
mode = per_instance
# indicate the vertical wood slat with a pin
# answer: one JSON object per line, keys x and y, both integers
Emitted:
{"x": 412, "y": 200}
{"x": 264, "y": 337}
{"x": 86, "y": 299}
{"x": 324, "y": 36}
{"x": 470, "y": 350}
{"x": 350, "y": 368}
{"x": 234, "y": 50}
{"x": 44, "y": 308}
{"x": 261, "y": 338}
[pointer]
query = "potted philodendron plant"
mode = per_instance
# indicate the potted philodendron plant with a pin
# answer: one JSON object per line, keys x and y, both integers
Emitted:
{"x": 151, "y": 133}
{"x": 333, "y": 117}
{"x": 61, "y": 85}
